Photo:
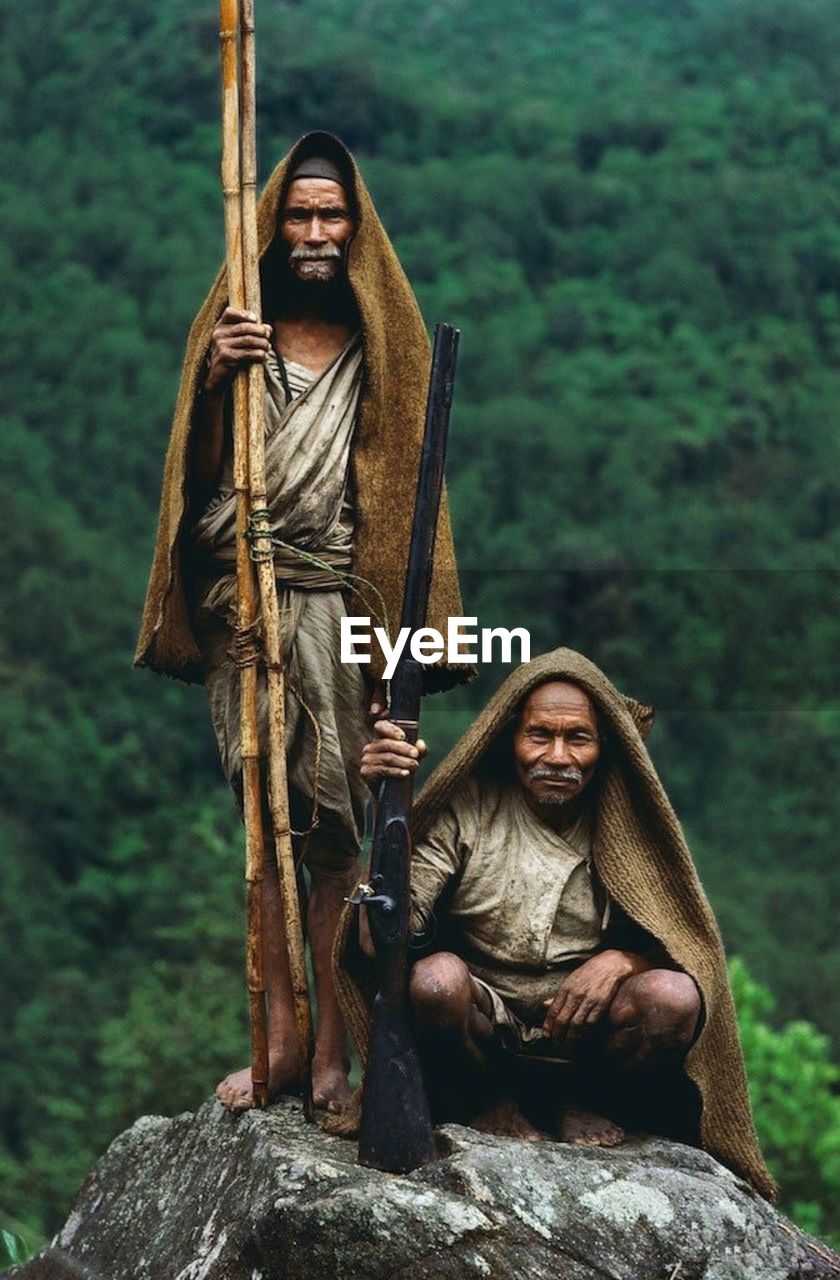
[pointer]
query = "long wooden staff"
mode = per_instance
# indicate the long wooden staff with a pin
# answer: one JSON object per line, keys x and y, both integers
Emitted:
{"x": 262, "y": 552}
{"x": 245, "y": 579}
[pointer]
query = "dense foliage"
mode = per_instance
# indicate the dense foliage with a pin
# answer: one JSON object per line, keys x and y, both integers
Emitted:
{"x": 632, "y": 211}
{"x": 794, "y": 1093}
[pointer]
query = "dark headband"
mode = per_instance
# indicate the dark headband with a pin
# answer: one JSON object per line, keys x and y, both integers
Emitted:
{"x": 317, "y": 167}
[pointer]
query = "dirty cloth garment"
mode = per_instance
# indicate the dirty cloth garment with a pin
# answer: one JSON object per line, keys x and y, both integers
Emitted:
{"x": 307, "y": 460}
{"x": 521, "y": 900}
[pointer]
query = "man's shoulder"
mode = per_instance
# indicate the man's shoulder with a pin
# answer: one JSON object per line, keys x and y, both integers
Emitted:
{"x": 473, "y": 800}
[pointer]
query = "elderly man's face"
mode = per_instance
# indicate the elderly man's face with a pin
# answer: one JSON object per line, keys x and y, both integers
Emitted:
{"x": 316, "y": 227}
{"x": 556, "y": 744}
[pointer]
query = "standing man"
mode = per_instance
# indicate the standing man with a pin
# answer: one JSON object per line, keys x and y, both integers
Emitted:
{"x": 346, "y": 360}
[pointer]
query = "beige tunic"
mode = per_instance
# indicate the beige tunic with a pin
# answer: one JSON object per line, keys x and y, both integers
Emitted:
{"x": 307, "y": 459}
{"x": 520, "y": 898}
{"x": 307, "y": 465}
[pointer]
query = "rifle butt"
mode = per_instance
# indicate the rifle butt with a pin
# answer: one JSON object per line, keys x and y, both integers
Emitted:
{"x": 396, "y": 1133}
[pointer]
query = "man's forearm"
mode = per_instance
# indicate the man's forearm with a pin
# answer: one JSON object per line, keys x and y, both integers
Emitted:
{"x": 636, "y": 964}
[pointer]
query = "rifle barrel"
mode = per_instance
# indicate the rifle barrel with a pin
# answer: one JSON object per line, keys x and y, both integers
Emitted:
{"x": 430, "y": 481}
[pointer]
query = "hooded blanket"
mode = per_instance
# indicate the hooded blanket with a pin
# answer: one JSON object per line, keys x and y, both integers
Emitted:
{"x": 385, "y": 454}
{"x": 644, "y": 863}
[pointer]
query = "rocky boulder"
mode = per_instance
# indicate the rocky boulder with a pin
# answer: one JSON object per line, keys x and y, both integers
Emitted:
{"x": 265, "y": 1196}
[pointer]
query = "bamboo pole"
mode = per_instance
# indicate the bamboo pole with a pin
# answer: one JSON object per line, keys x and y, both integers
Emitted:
{"x": 246, "y": 586}
{"x": 263, "y": 554}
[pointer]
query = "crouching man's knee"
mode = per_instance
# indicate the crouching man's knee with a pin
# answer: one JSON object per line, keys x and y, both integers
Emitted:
{"x": 440, "y": 992}
{"x": 654, "y": 1017}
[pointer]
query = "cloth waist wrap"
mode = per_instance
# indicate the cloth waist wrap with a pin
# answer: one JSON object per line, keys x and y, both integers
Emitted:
{"x": 292, "y": 568}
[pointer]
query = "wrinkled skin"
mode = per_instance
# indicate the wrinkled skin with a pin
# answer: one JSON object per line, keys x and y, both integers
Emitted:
{"x": 556, "y": 748}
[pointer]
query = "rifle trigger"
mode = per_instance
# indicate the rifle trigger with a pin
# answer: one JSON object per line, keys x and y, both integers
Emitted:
{"x": 361, "y": 896}
{"x": 366, "y": 896}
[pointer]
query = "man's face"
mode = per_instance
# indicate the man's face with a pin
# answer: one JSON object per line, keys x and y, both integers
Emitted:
{"x": 556, "y": 744}
{"x": 316, "y": 227}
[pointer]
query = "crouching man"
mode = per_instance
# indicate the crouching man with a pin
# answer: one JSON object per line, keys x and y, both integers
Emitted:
{"x": 574, "y": 980}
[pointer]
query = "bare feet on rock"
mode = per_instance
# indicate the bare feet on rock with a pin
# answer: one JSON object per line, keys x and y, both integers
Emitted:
{"x": 586, "y": 1129}
{"x": 236, "y": 1092}
{"x": 330, "y": 1087}
{"x": 505, "y": 1120}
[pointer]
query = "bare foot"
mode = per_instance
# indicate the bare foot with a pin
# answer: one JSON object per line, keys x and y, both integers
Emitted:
{"x": 330, "y": 1087}
{"x": 586, "y": 1129}
{"x": 236, "y": 1093}
{"x": 505, "y": 1120}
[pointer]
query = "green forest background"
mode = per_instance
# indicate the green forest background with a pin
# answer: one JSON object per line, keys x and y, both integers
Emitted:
{"x": 633, "y": 213}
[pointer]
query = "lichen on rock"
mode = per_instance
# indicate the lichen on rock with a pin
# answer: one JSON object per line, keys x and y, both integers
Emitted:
{"x": 264, "y": 1195}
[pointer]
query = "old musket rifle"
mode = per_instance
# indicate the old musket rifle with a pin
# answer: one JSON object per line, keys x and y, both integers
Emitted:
{"x": 396, "y": 1129}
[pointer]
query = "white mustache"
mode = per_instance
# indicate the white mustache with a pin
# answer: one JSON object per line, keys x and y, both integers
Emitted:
{"x": 546, "y": 773}
{"x": 303, "y": 254}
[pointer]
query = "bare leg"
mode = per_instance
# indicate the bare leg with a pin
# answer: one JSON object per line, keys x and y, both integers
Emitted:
{"x": 653, "y": 1018}
{"x": 331, "y": 1064}
{"x": 651, "y": 1021}
{"x": 454, "y": 1028}
{"x": 284, "y": 1053}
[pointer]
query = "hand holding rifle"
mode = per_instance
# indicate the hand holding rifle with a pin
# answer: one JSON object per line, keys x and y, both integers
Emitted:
{"x": 389, "y": 754}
